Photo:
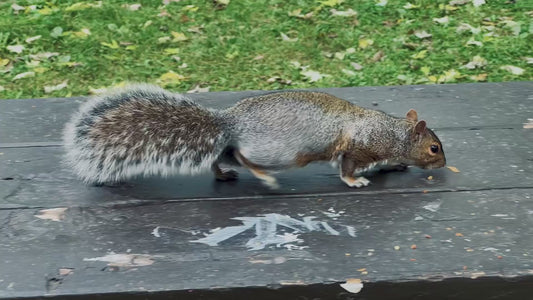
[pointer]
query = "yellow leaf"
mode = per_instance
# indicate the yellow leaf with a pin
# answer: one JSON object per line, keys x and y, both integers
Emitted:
{"x": 170, "y": 78}
{"x": 420, "y": 55}
{"x": 363, "y": 43}
{"x": 448, "y": 7}
{"x": 112, "y": 45}
{"x": 479, "y": 77}
{"x": 410, "y": 6}
{"x": 432, "y": 78}
{"x": 82, "y": 34}
{"x": 190, "y": 8}
{"x": 453, "y": 169}
{"x": 178, "y": 36}
{"x": 449, "y": 76}
{"x": 131, "y": 47}
{"x": 425, "y": 70}
{"x": 3, "y": 62}
{"x": 40, "y": 70}
{"x": 172, "y": 51}
{"x": 45, "y": 11}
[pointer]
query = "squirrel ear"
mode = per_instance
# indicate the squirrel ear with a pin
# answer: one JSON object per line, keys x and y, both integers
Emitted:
{"x": 412, "y": 115}
{"x": 420, "y": 127}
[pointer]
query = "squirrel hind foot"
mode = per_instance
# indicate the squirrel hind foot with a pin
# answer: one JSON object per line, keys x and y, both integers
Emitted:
{"x": 355, "y": 182}
{"x": 226, "y": 175}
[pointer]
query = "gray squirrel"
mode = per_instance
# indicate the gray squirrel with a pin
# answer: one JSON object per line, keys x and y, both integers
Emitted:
{"x": 145, "y": 130}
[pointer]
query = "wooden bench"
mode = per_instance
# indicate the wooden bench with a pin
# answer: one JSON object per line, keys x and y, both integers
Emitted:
{"x": 435, "y": 234}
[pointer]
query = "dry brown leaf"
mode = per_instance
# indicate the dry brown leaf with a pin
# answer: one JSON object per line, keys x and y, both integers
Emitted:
{"x": 453, "y": 169}
{"x": 378, "y": 56}
{"x": 459, "y": 234}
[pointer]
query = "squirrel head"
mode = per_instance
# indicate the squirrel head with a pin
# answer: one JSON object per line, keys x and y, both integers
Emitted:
{"x": 426, "y": 149}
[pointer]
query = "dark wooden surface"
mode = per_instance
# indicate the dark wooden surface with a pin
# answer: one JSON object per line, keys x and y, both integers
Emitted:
{"x": 480, "y": 221}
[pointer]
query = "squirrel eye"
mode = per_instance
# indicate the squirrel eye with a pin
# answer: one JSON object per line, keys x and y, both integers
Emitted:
{"x": 434, "y": 148}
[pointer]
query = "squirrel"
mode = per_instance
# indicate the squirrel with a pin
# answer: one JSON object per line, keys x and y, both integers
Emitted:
{"x": 146, "y": 130}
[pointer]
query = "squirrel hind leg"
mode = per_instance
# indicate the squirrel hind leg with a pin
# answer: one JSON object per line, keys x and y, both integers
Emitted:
{"x": 267, "y": 179}
{"x": 223, "y": 174}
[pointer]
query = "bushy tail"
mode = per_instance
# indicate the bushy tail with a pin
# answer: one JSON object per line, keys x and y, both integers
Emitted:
{"x": 142, "y": 130}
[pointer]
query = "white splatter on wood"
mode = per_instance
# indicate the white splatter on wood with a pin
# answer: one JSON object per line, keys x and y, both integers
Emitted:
{"x": 432, "y": 207}
{"x": 155, "y": 232}
{"x": 124, "y": 260}
{"x": 54, "y": 214}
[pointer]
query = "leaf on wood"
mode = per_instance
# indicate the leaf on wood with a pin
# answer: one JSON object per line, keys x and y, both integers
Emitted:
{"x": 528, "y": 124}
{"x": 514, "y": 70}
{"x": 474, "y": 42}
{"x": 479, "y": 77}
{"x": 381, "y": 2}
{"x": 16, "y": 48}
{"x": 477, "y": 62}
{"x": 24, "y": 75}
{"x": 132, "y": 7}
{"x": 178, "y": 36}
{"x": 313, "y": 76}
{"x": 379, "y": 56}
{"x": 32, "y": 39}
{"x": 285, "y": 38}
{"x": 422, "y": 34}
{"x": 198, "y": 89}
{"x": 352, "y": 285}
{"x": 54, "y": 214}
{"x": 52, "y": 88}
{"x": 170, "y": 78}
{"x": 347, "y": 13}
{"x": 409, "y": 5}
{"x": 443, "y": 20}
{"x": 364, "y": 43}
{"x": 453, "y": 169}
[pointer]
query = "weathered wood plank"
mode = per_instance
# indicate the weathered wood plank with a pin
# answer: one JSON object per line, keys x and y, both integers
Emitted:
{"x": 463, "y": 105}
{"x": 487, "y": 159}
{"x": 485, "y": 233}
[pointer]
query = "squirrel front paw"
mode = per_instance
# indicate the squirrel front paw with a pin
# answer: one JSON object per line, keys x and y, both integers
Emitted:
{"x": 356, "y": 182}
{"x": 226, "y": 175}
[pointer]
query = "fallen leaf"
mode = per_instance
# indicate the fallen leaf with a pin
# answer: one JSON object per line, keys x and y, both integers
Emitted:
{"x": 381, "y": 2}
{"x": 43, "y": 55}
{"x": 167, "y": 2}
{"x": 65, "y": 271}
{"x": 413, "y": 246}
{"x": 467, "y": 27}
{"x": 164, "y": 13}
{"x": 83, "y": 5}
{"x": 453, "y": 169}
{"x": 352, "y": 285}
{"x": 16, "y": 8}
{"x": 259, "y": 57}
{"x": 56, "y": 32}
{"x": 443, "y": 20}
{"x": 378, "y": 56}
{"x": 449, "y": 76}
{"x": 459, "y": 2}
{"x": 222, "y": 2}
{"x": 514, "y": 70}
{"x": 40, "y": 70}
{"x": 163, "y": 39}
{"x": 32, "y": 39}
{"x": 348, "y": 72}
{"x": 459, "y": 234}
{"x": 364, "y": 43}
{"x": 1, "y": 90}
{"x": 514, "y": 26}
{"x": 477, "y": 62}
{"x": 347, "y": 13}
{"x": 409, "y": 5}
{"x": 478, "y": 3}
{"x": 479, "y": 77}
{"x": 529, "y": 60}
{"x": 112, "y": 45}
{"x": 422, "y": 34}
{"x": 356, "y": 66}
{"x": 4, "y": 62}
{"x": 49, "y": 89}
{"x": 285, "y": 38}
{"x": 172, "y": 51}
{"x": 331, "y": 3}
{"x": 190, "y": 8}
{"x": 528, "y": 124}
{"x": 170, "y": 78}
{"x": 54, "y": 214}
{"x": 474, "y": 42}
{"x": 420, "y": 55}
{"x": 425, "y": 70}
{"x": 313, "y": 76}
{"x": 430, "y": 177}
{"x": 196, "y": 29}
{"x": 396, "y": 248}
{"x": 24, "y": 75}
{"x": 298, "y": 14}
{"x": 178, "y": 36}
{"x": 16, "y": 48}
{"x": 132, "y": 7}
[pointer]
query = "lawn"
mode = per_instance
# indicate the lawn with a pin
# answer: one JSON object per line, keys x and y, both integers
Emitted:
{"x": 70, "y": 48}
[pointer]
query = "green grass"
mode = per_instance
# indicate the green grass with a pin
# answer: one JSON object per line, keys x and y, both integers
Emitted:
{"x": 222, "y": 42}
